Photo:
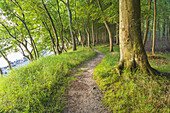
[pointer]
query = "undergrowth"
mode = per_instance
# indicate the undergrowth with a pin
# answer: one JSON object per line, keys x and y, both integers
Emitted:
{"x": 135, "y": 93}
{"x": 40, "y": 86}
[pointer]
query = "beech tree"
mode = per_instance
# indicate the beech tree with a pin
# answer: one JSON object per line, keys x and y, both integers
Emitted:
{"x": 107, "y": 27}
{"x": 67, "y": 4}
{"x": 147, "y": 24}
{"x": 132, "y": 53}
{"x": 154, "y": 29}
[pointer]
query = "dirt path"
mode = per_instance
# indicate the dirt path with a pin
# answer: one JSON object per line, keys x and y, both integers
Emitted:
{"x": 83, "y": 94}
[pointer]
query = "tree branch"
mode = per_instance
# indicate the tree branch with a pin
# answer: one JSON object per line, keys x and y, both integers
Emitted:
{"x": 64, "y": 2}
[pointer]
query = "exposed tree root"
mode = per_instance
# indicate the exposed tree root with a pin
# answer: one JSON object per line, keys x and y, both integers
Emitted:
{"x": 133, "y": 68}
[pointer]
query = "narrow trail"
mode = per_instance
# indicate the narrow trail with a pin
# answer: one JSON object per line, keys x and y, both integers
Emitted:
{"x": 83, "y": 94}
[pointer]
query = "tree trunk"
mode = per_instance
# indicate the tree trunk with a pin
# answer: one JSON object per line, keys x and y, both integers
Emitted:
{"x": 78, "y": 42}
{"x": 132, "y": 53}
{"x": 88, "y": 32}
{"x": 25, "y": 45}
{"x": 53, "y": 27}
{"x": 96, "y": 37}
{"x": 36, "y": 54}
{"x": 70, "y": 26}
{"x": 30, "y": 57}
{"x": 81, "y": 38}
{"x": 108, "y": 29}
{"x": 110, "y": 36}
{"x": 147, "y": 25}
{"x": 85, "y": 37}
{"x": 61, "y": 24}
{"x": 51, "y": 37}
{"x": 93, "y": 38}
{"x": 1, "y": 72}
{"x": 9, "y": 64}
{"x": 168, "y": 30}
{"x": 154, "y": 29}
{"x": 88, "y": 37}
{"x": 117, "y": 34}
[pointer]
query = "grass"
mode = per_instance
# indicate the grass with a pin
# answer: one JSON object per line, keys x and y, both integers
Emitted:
{"x": 40, "y": 86}
{"x": 160, "y": 62}
{"x": 135, "y": 93}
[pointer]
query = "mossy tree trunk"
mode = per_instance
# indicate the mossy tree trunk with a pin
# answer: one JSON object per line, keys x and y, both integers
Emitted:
{"x": 132, "y": 53}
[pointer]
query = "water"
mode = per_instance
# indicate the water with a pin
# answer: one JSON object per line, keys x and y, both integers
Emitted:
{"x": 17, "y": 60}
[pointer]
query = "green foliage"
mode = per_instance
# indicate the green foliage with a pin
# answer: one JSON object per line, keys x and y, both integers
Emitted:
{"x": 40, "y": 86}
{"x": 131, "y": 93}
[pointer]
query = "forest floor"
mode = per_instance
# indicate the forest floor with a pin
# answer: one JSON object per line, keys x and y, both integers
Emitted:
{"x": 84, "y": 96}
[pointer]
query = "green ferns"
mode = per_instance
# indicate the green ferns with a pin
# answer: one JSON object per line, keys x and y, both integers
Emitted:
{"x": 40, "y": 86}
{"x": 135, "y": 93}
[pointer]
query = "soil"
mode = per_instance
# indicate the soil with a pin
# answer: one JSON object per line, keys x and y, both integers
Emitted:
{"x": 84, "y": 95}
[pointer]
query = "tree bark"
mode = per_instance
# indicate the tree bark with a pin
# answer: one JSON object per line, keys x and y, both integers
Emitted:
{"x": 70, "y": 24}
{"x": 61, "y": 24}
{"x": 154, "y": 29}
{"x": 93, "y": 38}
{"x": 88, "y": 37}
{"x": 147, "y": 25}
{"x": 81, "y": 38}
{"x": 132, "y": 53}
{"x": 53, "y": 28}
{"x": 85, "y": 37}
{"x": 1, "y": 72}
{"x": 117, "y": 34}
{"x": 88, "y": 32}
{"x": 168, "y": 29}
{"x": 77, "y": 40}
{"x": 108, "y": 29}
{"x": 9, "y": 64}
{"x": 36, "y": 54}
{"x": 51, "y": 37}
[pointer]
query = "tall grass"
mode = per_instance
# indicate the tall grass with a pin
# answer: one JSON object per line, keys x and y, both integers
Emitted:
{"x": 135, "y": 93}
{"x": 40, "y": 86}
